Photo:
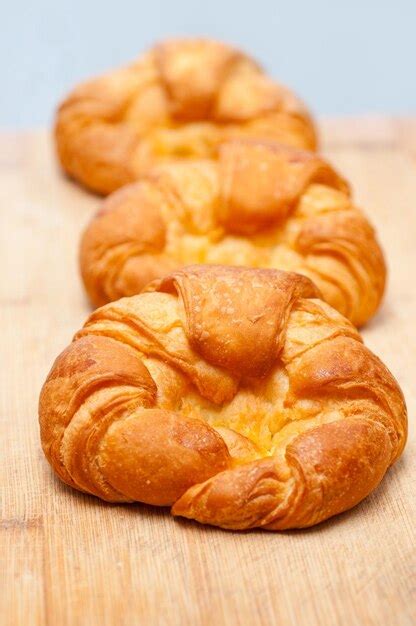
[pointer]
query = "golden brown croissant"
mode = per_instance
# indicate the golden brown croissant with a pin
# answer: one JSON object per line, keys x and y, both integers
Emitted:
{"x": 235, "y": 395}
{"x": 179, "y": 100}
{"x": 261, "y": 205}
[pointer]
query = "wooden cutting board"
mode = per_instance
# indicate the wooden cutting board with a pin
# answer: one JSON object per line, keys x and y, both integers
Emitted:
{"x": 73, "y": 560}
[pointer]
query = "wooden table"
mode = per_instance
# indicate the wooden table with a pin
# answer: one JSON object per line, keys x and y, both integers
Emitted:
{"x": 73, "y": 560}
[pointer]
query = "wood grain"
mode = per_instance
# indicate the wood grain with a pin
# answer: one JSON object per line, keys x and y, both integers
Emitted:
{"x": 72, "y": 560}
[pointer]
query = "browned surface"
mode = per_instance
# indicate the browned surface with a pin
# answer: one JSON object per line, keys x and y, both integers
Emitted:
{"x": 179, "y": 99}
{"x": 74, "y": 560}
{"x": 260, "y": 205}
{"x": 130, "y": 409}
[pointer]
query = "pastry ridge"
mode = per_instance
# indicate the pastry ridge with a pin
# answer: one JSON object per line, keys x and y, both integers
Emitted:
{"x": 178, "y": 100}
{"x": 261, "y": 204}
{"x": 234, "y": 395}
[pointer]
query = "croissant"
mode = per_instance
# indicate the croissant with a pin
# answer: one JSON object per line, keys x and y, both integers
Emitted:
{"x": 235, "y": 395}
{"x": 179, "y": 100}
{"x": 260, "y": 204}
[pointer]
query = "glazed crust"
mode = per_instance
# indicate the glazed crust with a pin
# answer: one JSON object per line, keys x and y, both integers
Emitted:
{"x": 179, "y": 100}
{"x": 260, "y": 205}
{"x": 236, "y": 396}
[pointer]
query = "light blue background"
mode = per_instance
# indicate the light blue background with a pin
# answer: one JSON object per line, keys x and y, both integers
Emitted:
{"x": 343, "y": 57}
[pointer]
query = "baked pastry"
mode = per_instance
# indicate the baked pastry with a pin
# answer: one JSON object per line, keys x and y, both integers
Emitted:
{"x": 234, "y": 395}
{"x": 179, "y": 100}
{"x": 260, "y": 204}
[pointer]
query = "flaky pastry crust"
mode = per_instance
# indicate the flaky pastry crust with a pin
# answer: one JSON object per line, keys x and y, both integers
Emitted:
{"x": 179, "y": 100}
{"x": 236, "y": 396}
{"x": 260, "y": 204}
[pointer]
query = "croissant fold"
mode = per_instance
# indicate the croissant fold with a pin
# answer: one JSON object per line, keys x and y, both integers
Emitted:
{"x": 178, "y": 101}
{"x": 236, "y": 396}
{"x": 260, "y": 204}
